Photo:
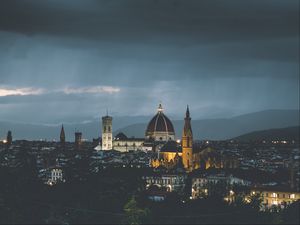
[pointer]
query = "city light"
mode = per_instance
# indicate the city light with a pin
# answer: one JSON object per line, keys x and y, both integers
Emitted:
{"x": 4, "y": 141}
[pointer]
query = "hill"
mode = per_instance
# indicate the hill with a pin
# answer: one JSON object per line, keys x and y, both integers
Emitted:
{"x": 222, "y": 129}
{"x": 213, "y": 129}
{"x": 288, "y": 134}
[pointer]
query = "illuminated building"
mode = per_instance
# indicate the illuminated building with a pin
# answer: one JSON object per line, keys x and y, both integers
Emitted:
{"x": 159, "y": 131}
{"x": 172, "y": 182}
{"x": 160, "y": 127}
{"x": 124, "y": 144}
{"x": 202, "y": 184}
{"x": 107, "y": 136}
{"x": 187, "y": 142}
{"x": 55, "y": 176}
{"x": 276, "y": 196}
{"x": 190, "y": 155}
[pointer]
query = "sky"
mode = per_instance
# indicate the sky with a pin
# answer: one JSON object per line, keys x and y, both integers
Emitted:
{"x": 73, "y": 60}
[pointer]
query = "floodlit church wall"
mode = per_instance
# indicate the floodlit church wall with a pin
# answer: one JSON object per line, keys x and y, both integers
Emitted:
{"x": 125, "y": 146}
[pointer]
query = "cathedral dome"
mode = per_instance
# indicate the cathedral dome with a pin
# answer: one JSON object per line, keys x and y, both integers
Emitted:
{"x": 160, "y": 127}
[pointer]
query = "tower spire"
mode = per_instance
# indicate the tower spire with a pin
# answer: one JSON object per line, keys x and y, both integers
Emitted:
{"x": 187, "y": 114}
{"x": 62, "y": 134}
{"x": 187, "y": 142}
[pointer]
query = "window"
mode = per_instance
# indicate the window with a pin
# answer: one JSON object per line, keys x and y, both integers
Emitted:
{"x": 275, "y": 202}
{"x": 283, "y": 195}
{"x": 274, "y": 195}
{"x": 292, "y": 195}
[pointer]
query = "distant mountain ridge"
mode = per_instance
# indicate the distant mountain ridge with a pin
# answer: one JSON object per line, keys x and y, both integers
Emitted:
{"x": 222, "y": 129}
{"x": 213, "y": 129}
{"x": 282, "y": 134}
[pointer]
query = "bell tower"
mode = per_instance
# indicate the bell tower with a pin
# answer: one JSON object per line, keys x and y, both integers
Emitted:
{"x": 187, "y": 142}
{"x": 107, "y": 132}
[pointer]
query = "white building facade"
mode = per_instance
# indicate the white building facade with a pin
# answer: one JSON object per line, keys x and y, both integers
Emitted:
{"x": 107, "y": 136}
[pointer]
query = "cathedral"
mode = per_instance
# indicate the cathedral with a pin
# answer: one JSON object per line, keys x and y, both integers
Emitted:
{"x": 160, "y": 138}
{"x": 160, "y": 128}
{"x": 187, "y": 153}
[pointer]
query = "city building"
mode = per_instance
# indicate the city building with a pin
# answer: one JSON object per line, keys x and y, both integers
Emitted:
{"x": 191, "y": 155}
{"x": 160, "y": 127}
{"x": 172, "y": 182}
{"x": 187, "y": 143}
{"x": 62, "y": 135}
{"x": 276, "y": 196}
{"x": 202, "y": 184}
{"x": 55, "y": 176}
{"x": 78, "y": 140}
{"x": 9, "y": 138}
{"x": 107, "y": 136}
{"x": 124, "y": 144}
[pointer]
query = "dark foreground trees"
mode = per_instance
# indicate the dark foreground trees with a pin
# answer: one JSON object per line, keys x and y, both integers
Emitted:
{"x": 116, "y": 196}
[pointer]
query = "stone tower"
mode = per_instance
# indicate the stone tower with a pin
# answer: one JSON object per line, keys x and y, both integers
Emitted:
{"x": 187, "y": 142}
{"x": 62, "y": 135}
{"x": 78, "y": 140}
{"x": 9, "y": 139}
{"x": 107, "y": 133}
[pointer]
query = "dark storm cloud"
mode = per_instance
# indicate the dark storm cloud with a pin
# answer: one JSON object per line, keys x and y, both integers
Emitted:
{"x": 226, "y": 57}
{"x": 131, "y": 20}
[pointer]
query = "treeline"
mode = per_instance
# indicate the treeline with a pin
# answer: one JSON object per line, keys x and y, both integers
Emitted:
{"x": 118, "y": 196}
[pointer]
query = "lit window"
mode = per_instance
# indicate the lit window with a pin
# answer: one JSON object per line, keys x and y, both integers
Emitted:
{"x": 274, "y": 195}
{"x": 292, "y": 196}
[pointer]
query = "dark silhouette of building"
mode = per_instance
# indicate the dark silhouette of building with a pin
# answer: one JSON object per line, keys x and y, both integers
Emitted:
{"x": 78, "y": 140}
{"x": 62, "y": 135}
{"x": 9, "y": 138}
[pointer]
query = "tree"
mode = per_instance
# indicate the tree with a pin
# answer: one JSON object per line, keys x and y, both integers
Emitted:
{"x": 255, "y": 202}
{"x": 134, "y": 214}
